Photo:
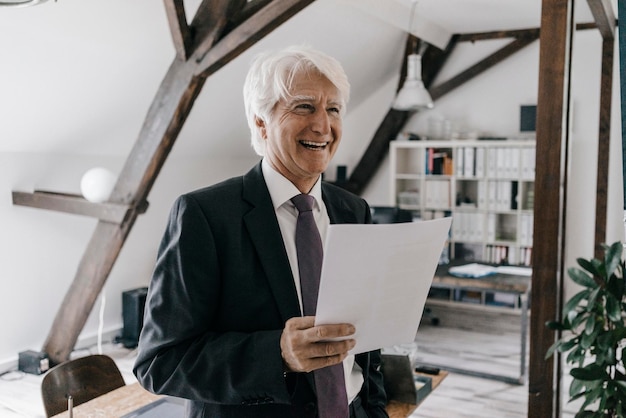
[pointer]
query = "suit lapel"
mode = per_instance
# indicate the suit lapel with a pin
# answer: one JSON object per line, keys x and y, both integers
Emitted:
{"x": 338, "y": 210}
{"x": 266, "y": 237}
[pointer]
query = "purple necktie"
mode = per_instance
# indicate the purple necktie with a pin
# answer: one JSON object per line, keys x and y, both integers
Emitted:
{"x": 330, "y": 385}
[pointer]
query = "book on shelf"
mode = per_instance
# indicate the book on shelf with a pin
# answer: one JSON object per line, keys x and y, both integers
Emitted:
{"x": 439, "y": 162}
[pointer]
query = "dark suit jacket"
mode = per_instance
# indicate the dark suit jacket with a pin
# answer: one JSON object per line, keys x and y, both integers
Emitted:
{"x": 220, "y": 295}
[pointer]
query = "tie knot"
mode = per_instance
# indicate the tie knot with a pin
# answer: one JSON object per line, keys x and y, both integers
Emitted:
{"x": 303, "y": 202}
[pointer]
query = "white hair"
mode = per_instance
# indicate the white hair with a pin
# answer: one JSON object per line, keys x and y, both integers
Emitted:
{"x": 270, "y": 78}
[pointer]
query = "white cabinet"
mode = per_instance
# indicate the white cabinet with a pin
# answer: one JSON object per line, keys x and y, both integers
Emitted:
{"x": 487, "y": 186}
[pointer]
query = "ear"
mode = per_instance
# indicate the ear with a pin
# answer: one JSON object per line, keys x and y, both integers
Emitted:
{"x": 260, "y": 124}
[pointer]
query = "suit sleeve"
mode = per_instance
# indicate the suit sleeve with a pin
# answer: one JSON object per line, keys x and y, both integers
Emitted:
{"x": 373, "y": 391}
{"x": 182, "y": 351}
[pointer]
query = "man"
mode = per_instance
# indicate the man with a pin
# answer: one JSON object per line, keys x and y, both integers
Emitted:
{"x": 224, "y": 324}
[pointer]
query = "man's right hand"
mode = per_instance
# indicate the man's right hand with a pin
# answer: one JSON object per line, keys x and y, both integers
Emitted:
{"x": 305, "y": 347}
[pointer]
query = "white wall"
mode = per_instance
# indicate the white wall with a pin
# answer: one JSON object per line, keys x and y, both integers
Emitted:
{"x": 40, "y": 250}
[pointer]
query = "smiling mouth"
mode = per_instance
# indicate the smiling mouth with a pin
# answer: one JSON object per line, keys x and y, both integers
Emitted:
{"x": 314, "y": 145}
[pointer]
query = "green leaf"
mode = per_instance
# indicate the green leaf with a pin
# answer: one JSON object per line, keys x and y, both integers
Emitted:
{"x": 551, "y": 350}
{"x": 585, "y": 414}
{"x": 574, "y": 301}
{"x": 556, "y": 326}
{"x": 592, "y": 300}
{"x": 613, "y": 257}
{"x": 581, "y": 278}
{"x": 565, "y": 346}
{"x": 577, "y": 319}
{"x": 588, "y": 373}
{"x": 577, "y": 355}
{"x": 621, "y": 386}
{"x": 588, "y": 340}
{"x": 576, "y": 389}
{"x": 590, "y": 325}
{"x": 590, "y": 266}
{"x": 613, "y": 309}
{"x": 615, "y": 287}
{"x": 592, "y": 396}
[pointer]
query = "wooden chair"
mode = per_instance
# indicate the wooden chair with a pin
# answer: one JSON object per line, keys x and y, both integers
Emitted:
{"x": 84, "y": 378}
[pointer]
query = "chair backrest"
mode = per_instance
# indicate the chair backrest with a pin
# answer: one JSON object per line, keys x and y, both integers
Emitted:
{"x": 84, "y": 378}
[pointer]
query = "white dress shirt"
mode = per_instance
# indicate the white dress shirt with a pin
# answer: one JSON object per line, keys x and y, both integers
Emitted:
{"x": 281, "y": 191}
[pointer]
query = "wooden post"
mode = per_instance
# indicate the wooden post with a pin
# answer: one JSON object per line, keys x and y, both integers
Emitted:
{"x": 605, "y": 21}
{"x": 550, "y": 187}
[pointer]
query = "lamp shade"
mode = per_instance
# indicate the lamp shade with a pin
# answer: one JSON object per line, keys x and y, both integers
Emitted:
{"x": 97, "y": 184}
{"x": 413, "y": 95}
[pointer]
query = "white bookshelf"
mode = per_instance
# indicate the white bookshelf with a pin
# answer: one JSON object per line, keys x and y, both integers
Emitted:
{"x": 487, "y": 186}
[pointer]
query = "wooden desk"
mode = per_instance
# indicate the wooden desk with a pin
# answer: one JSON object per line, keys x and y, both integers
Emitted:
{"x": 402, "y": 410}
{"x": 507, "y": 283}
{"x": 131, "y": 397}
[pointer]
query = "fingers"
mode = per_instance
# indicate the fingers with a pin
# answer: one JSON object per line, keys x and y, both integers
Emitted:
{"x": 321, "y": 332}
{"x": 305, "y": 347}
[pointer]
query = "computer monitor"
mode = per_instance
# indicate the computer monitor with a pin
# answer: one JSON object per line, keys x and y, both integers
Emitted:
{"x": 390, "y": 215}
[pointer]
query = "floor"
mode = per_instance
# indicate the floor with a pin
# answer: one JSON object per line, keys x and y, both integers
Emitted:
{"x": 459, "y": 395}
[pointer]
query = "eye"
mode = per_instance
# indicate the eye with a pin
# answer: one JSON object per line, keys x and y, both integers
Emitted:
{"x": 334, "y": 110}
{"x": 306, "y": 106}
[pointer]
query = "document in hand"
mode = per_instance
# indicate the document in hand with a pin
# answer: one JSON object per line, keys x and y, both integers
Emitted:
{"x": 377, "y": 278}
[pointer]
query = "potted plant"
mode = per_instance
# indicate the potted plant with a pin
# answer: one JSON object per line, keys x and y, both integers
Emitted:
{"x": 593, "y": 334}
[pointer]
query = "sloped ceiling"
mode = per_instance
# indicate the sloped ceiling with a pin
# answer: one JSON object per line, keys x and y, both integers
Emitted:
{"x": 77, "y": 76}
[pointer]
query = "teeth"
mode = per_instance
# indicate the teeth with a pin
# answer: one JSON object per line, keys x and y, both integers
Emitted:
{"x": 314, "y": 144}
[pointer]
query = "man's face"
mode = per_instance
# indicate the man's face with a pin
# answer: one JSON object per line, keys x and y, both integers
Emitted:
{"x": 304, "y": 130}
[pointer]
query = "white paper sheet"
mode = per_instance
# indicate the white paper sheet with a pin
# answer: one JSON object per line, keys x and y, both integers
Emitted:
{"x": 377, "y": 278}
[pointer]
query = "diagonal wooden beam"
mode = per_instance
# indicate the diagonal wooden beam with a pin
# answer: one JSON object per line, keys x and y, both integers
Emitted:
{"x": 211, "y": 21}
{"x": 482, "y": 66}
{"x": 177, "y": 19}
{"x": 164, "y": 121}
{"x": 247, "y": 34}
{"x": 603, "y": 14}
{"x": 434, "y": 59}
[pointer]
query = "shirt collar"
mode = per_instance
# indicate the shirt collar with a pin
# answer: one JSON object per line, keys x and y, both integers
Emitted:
{"x": 282, "y": 190}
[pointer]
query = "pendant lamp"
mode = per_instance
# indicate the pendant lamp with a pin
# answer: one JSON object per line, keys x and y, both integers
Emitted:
{"x": 413, "y": 94}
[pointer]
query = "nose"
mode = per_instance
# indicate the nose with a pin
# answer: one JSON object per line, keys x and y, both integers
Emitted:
{"x": 320, "y": 122}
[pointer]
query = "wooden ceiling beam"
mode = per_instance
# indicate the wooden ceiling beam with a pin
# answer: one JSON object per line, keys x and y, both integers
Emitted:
{"x": 181, "y": 35}
{"x": 603, "y": 14}
{"x": 75, "y": 204}
{"x": 210, "y": 22}
{"x": 518, "y": 33}
{"x": 247, "y": 34}
{"x": 433, "y": 60}
{"x": 482, "y": 66}
{"x": 503, "y": 34}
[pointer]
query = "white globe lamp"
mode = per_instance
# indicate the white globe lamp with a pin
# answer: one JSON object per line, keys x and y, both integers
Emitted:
{"x": 97, "y": 184}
